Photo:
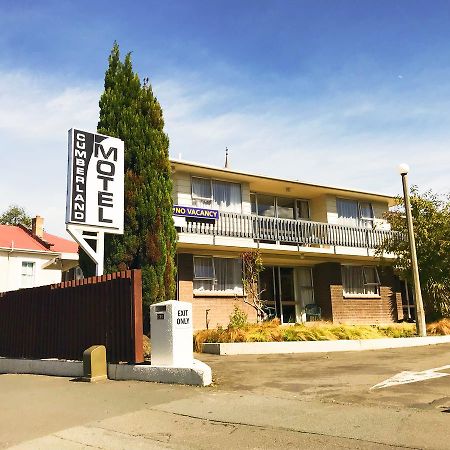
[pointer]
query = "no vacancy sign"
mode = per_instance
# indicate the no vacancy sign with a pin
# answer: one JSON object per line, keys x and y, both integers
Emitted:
{"x": 95, "y": 181}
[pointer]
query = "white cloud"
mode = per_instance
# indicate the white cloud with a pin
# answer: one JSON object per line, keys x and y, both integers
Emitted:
{"x": 347, "y": 139}
{"x": 35, "y": 114}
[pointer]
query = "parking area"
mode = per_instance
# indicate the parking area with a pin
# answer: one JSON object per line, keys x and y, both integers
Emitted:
{"x": 289, "y": 401}
{"x": 345, "y": 377}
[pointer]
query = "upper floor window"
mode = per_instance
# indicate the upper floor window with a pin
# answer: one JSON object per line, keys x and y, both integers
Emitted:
{"x": 27, "y": 274}
{"x": 220, "y": 275}
{"x": 359, "y": 280}
{"x": 354, "y": 213}
{"x": 215, "y": 194}
{"x": 282, "y": 207}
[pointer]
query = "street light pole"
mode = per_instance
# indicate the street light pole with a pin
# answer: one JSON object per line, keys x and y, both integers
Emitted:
{"x": 420, "y": 314}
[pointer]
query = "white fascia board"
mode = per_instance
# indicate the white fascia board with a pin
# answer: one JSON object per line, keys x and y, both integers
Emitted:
{"x": 27, "y": 250}
{"x": 175, "y": 161}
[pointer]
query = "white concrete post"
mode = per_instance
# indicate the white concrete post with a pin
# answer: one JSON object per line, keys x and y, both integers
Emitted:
{"x": 171, "y": 334}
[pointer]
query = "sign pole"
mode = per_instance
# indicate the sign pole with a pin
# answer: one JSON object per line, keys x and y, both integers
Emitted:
{"x": 100, "y": 253}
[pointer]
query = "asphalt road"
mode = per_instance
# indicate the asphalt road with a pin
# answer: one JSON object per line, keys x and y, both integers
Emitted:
{"x": 287, "y": 401}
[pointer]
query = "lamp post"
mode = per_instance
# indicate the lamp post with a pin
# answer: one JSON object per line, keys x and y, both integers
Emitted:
{"x": 420, "y": 315}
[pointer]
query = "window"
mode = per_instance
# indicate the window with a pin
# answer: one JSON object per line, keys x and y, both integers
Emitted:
{"x": 303, "y": 210}
{"x": 265, "y": 205}
{"x": 353, "y": 213}
{"x": 359, "y": 280}
{"x": 221, "y": 195}
{"x": 221, "y": 275}
{"x": 27, "y": 276}
{"x": 282, "y": 207}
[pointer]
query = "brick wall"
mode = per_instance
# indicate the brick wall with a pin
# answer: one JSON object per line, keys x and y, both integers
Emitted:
{"x": 220, "y": 308}
{"x": 386, "y": 309}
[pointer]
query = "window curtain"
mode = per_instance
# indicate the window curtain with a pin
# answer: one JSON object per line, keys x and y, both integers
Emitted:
{"x": 347, "y": 212}
{"x": 201, "y": 192}
{"x": 357, "y": 280}
{"x": 371, "y": 279}
{"x": 203, "y": 273}
{"x": 366, "y": 213}
{"x": 227, "y": 196}
{"x": 228, "y": 274}
{"x": 306, "y": 290}
{"x": 353, "y": 280}
{"x": 217, "y": 274}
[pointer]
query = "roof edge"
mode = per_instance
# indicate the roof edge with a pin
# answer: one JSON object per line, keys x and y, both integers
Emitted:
{"x": 391, "y": 198}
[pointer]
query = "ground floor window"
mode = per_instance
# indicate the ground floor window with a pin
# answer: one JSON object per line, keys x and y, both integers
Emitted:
{"x": 218, "y": 275}
{"x": 27, "y": 275}
{"x": 360, "y": 280}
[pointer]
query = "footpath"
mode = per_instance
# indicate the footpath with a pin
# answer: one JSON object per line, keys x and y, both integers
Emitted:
{"x": 269, "y": 401}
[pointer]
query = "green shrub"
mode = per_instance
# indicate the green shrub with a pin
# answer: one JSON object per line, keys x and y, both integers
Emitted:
{"x": 238, "y": 318}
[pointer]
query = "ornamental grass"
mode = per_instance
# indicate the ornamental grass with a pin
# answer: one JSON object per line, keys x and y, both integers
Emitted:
{"x": 272, "y": 331}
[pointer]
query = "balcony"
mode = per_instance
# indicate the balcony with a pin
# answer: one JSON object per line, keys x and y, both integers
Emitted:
{"x": 287, "y": 231}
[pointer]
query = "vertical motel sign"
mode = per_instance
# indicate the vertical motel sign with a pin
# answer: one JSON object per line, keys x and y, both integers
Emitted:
{"x": 95, "y": 181}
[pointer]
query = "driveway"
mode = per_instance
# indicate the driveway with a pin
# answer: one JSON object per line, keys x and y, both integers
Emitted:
{"x": 287, "y": 401}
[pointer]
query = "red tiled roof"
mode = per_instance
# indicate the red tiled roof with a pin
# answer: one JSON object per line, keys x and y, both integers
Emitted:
{"x": 60, "y": 244}
{"x": 16, "y": 237}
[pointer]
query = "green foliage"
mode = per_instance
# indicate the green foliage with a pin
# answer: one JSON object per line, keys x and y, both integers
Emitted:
{"x": 238, "y": 318}
{"x": 431, "y": 219}
{"x": 132, "y": 113}
{"x": 15, "y": 215}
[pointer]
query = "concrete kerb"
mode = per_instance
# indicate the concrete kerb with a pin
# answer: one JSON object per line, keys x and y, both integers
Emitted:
{"x": 198, "y": 375}
{"x": 267, "y": 348}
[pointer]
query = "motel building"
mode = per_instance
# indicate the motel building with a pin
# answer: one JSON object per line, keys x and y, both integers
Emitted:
{"x": 317, "y": 243}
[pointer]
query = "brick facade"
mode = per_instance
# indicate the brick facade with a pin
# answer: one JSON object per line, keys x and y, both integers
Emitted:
{"x": 329, "y": 295}
{"x": 219, "y": 308}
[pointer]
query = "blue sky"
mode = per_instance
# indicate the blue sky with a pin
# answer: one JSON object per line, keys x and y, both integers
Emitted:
{"x": 331, "y": 92}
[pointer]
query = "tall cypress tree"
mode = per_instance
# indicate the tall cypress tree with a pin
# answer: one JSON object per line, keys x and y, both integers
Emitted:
{"x": 132, "y": 113}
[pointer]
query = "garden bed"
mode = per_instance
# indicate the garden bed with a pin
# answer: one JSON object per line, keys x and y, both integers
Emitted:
{"x": 273, "y": 332}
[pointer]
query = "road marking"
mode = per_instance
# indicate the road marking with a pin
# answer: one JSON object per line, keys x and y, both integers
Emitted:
{"x": 412, "y": 377}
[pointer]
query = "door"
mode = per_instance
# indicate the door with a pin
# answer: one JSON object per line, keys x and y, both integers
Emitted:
{"x": 277, "y": 286}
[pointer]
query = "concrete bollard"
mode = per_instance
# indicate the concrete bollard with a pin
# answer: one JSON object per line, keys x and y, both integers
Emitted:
{"x": 171, "y": 329}
{"x": 94, "y": 364}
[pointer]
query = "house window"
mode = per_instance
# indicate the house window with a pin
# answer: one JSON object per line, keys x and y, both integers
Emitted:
{"x": 353, "y": 213}
{"x": 219, "y": 275}
{"x": 360, "y": 280}
{"x": 27, "y": 275}
{"x": 281, "y": 207}
{"x": 221, "y": 195}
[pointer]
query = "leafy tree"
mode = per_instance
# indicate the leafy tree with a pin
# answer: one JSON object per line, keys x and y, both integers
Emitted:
{"x": 431, "y": 219}
{"x": 15, "y": 215}
{"x": 131, "y": 112}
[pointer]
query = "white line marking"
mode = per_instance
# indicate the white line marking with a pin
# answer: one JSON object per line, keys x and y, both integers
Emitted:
{"x": 412, "y": 377}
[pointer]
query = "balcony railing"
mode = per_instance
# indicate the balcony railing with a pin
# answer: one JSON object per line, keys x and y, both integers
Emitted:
{"x": 288, "y": 231}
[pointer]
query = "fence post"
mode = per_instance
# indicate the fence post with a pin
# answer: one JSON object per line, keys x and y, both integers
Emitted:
{"x": 138, "y": 331}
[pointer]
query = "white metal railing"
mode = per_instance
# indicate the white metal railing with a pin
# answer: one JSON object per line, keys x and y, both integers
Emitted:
{"x": 301, "y": 232}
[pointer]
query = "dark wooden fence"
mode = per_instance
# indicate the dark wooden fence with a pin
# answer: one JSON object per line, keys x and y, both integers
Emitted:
{"x": 62, "y": 320}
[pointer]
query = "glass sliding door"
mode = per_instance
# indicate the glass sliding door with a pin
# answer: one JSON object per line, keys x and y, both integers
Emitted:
{"x": 287, "y": 294}
{"x": 267, "y": 288}
{"x": 287, "y": 290}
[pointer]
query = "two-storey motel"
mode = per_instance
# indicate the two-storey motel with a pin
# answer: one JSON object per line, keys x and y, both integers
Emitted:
{"x": 317, "y": 242}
